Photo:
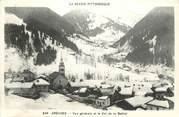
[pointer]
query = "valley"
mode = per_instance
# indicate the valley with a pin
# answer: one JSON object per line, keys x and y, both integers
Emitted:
{"x": 94, "y": 51}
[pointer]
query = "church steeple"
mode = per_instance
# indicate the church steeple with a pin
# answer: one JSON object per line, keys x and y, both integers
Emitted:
{"x": 62, "y": 67}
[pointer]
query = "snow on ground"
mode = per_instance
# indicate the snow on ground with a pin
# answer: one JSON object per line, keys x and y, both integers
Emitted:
{"x": 151, "y": 69}
{"x": 96, "y": 21}
{"x": 15, "y": 62}
{"x": 52, "y": 101}
{"x": 96, "y": 46}
{"x": 13, "y": 19}
{"x": 108, "y": 37}
{"x": 101, "y": 69}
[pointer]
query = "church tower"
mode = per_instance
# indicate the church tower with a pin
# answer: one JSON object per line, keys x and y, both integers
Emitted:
{"x": 62, "y": 67}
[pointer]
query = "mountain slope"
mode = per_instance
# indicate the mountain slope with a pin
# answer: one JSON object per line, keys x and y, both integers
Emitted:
{"x": 151, "y": 40}
{"x": 96, "y": 27}
{"x": 44, "y": 16}
{"x": 38, "y": 35}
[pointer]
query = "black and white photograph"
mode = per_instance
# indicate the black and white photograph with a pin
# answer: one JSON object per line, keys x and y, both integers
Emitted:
{"x": 96, "y": 60}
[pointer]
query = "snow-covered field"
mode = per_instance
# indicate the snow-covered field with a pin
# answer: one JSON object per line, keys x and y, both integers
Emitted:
{"x": 51, "y": 101}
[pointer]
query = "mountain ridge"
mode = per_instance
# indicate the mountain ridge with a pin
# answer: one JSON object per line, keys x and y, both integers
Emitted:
{"x": 37, "y": 32}
{"x": 139, "y": 41}
{"x": 83, "y": 21}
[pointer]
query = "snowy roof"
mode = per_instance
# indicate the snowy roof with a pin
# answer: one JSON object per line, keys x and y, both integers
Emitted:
{"x": 78, "y": 84}
{"x": 40, "y": 82}
{"x": 161, "y": 89}
{"x": 140, "y": 109}
{"x": 76, "y": 91}
{"x": 107, "y": 91}
{"x": 138, "y": 100}
{"x": 18, "y": 79}
{"x": 41, "y": 75}
{"x": 160, "y": 103}
{"x": 14, "y": 85}
{"x": 142, "y": 90}
{"x": 103, "y": 97}
{"x": 162, "y": 84}
{"x": 106, "y": 86}
{"x": 82, "y": 90}
{"x": 126, "y": 91}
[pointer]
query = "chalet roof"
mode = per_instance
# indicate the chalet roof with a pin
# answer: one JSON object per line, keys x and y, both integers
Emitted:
{"x": 162, "y": 83}
{"x": 17, "y": 79}
{"x": 27, "y": 73}
{"x": 140, "y": 109}
{"x": 107, "y": 91}
{"x": 42, "y": 75}
{"x": 142, "y": 90}
{"x": 138, "y": 100}
{"x": 159, "y": 103}
{"x": 126, "y": 91}
{"x": 78, "y": 84}
{"x": 92, "y": 96}
{"x": 161, "y": 89}
{"x": 76, "y": 91}
{"x": 106, "y": 86}
{"x": 40, "y": 82}
{"x": 82, "y": 90}
{"x": 15, "y": 85}
{"x": 103, "y": 97}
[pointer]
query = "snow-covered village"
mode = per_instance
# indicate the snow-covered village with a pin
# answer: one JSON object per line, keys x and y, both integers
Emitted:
{"x": 85, "y": 60}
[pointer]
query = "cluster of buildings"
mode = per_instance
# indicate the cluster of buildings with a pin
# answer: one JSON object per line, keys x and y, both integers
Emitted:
{"x": 100, "y": 94}
{"x": 126, "y": 97}
{"x": 26, "y": 83}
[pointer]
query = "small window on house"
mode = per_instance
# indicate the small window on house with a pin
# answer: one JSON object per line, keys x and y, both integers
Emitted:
{"x": 37, "y": 80}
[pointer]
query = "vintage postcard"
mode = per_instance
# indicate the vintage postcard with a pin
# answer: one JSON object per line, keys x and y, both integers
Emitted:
{"x": 89, "y": 58}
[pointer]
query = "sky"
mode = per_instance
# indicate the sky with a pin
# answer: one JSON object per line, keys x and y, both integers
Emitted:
{"x": 129, "y": 12}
